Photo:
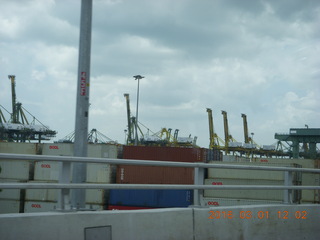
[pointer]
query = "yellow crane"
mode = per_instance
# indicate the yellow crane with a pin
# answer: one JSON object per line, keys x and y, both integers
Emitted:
{"x": 215, "y": 140}
{"x": 247, "y": 139}
{"x": 130, "y": 125}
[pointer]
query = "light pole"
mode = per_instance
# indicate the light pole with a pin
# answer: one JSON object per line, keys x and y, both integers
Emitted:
{"x": 137, "y": 77}
{"x": 252, "y": 144}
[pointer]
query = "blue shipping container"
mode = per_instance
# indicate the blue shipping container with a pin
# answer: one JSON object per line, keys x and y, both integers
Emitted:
{"x": 151, "y": 198}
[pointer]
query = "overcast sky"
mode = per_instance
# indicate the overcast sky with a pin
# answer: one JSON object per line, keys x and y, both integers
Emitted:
{"x": 260, "y": 58}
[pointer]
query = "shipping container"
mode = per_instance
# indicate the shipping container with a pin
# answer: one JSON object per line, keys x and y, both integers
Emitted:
{"x": 113, "y": 207}
{"x": 38, "y": 206}
{"x": 11, "y": 194}
{"x": 154, "y": 175}
{"x": 67, "y": 149}
{"x": 274, "y": 195}
{"x": 175, "y": 154}
{"x": 49, "y": 171}
{"x": 305, "y": 163}
{"x": 20, "y": 148}
{"x": 250, "y": 174}
{"x": 151, "y": 198}
{"x": 57, "y": 149}
{"x": 216, "y": 202}
{"x": 16, "y": 169}
{"x": 93, "y": 196}
{"x": 9, "y": 206}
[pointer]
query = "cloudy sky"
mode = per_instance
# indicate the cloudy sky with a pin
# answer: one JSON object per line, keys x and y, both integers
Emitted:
{"x": 258, "y": 57}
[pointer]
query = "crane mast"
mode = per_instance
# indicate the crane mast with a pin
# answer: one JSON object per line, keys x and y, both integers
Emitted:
{"x": 227, "y": 136}
{"x": 130, "y": 129}
{"x": 211, "y": 129}
{"x": 14, "y": 99}
{"x": 245, "y": 128}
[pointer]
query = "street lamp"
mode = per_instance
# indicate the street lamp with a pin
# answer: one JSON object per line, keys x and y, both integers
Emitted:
{"x": 252, "y": 144}
{"x": 137, "y": 77}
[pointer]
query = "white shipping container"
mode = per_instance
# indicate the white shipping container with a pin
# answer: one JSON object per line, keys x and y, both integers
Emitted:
{"x": 49, "y": 171}
{"x": 57, "y": 149}
{"x": 10, "y": 194}
{"x": 67, "y": 149}
{"x": 37, "y": 206}
{"x": 9, "y": 206}
{"x": 93, "y": 196}
{"x": 50, "y": 195}
{"x": 19, "y": 148}
{"x": 15, "y": 169}
{"x": 274, "y": 195}
{"x": 305, "y": 163}
{"x": 98, "y": 173}
{"x": 248, "y": 174}
{"x": 310, "y": 179}
{"x": 46, "y": 170}
{"x": 216, "y": 202}
{"x": 234, "y": 158}
{"x": 102, "y": 151}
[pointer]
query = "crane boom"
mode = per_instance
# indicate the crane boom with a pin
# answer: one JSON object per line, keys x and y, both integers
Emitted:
{"x": 211, "y": 129}
{"x": 226, "y": 130}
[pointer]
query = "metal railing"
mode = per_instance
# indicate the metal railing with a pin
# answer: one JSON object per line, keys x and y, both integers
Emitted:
{"x": 198, "y": 186}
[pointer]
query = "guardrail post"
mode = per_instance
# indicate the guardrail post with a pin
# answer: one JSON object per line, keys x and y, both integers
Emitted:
{"x": 64, "y": 194}
{"x": 198, "y": 180}
{"x": 288, "y": 193}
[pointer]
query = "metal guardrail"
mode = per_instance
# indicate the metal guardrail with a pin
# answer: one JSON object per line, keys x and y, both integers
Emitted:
{"x": 198, "y": 187}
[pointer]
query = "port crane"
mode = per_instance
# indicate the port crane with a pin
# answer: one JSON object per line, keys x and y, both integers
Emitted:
{"x": 215, "y": 140}
{"x": 18, "y": 128}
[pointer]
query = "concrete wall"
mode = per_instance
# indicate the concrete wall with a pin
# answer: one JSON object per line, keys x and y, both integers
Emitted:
{"x": 243, "y": 222}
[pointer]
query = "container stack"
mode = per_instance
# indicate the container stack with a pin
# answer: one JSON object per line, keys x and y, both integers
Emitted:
{"x": 248, "y": 177}
{"x": 306, "y": 179}
{"x": 15, "y": 171}
{"x": 37, "y": 200}
{"x": 48, "y": 171}
{"x": 132, "y": 174}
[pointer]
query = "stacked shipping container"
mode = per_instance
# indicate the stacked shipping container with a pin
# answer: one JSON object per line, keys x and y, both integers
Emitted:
{"x": 11, "y": 200}
{"x": 255, "y": 177}
{"x": 158, "y": 175}
{"x": 35, "y": 200}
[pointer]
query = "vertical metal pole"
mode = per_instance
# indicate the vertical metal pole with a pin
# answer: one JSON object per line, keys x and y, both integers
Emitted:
{"x": 64, "y": 194}
{"x": 137, "y": 111}
{"x": 287, "y": 198}
{"x": 198, "y": 180}
{"x": 82, "y": 107}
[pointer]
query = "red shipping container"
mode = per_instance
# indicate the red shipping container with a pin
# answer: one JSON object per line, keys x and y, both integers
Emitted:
{"x": 173, "y": 154}
{"x": 154, "y": 175}
{"x": 113, "y": 207}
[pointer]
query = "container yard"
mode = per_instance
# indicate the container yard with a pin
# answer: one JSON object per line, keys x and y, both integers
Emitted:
{"x": 37, "y": 200}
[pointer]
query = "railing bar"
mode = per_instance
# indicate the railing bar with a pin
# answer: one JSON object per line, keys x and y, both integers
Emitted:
{"x": 148, "y": 186}
{"x": 149, "y": 163}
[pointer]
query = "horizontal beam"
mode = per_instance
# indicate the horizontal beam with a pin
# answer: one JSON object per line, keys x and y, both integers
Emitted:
{"x": 148, "y": 186}
{"x": 115, "y": 161}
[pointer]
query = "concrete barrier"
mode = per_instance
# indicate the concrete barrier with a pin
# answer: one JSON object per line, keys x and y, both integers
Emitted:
{"x": 294, "y": 222}
{"x": 132, "y": 225}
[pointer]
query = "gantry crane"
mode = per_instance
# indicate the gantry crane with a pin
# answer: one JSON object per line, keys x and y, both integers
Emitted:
{"x": 247, "y": 139}
{"x": 214, "y": 138}
{"x": 18, "y": 128}
{"x": 227, "y": 136}
{"x": 130, "y": 125}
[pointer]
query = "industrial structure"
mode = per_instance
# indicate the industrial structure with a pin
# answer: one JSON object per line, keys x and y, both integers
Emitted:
{"x": 249, "y": 148}
{"x": 309, "y": 137}
{"x": 18, "y": 128}
{"x": 160, "y": 138}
